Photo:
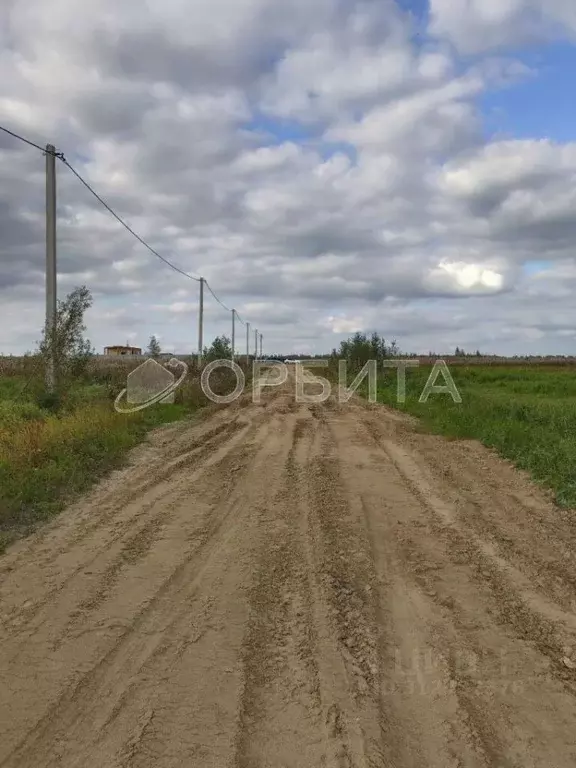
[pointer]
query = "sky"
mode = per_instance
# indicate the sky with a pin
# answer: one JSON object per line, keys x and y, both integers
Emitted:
{"x": 400, "y": 166}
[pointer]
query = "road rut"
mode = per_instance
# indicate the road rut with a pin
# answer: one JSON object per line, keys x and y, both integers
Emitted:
{"x": 285, "y": 585}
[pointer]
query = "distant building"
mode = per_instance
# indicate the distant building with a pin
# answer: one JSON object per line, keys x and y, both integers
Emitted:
{"x": 121, "y": 350}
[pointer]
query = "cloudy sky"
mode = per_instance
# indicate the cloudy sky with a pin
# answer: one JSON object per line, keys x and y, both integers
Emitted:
{"x": 406, "y": 166}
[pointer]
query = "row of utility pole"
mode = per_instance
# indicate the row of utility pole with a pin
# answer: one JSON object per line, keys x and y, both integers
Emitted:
{"x": 51, "y": 295}
{"x": 257, "y": 336}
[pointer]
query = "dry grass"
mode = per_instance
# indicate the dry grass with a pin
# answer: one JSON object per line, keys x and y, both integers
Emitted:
{"x": 47, "y": 458}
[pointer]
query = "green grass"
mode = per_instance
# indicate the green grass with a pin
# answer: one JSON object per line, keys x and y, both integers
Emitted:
{"x": 527, "y": 414}
{"x": 11, "y": 387}
{"x": 47, "y": 457}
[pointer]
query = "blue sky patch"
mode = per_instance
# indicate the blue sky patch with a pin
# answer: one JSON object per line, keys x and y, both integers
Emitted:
{"x": 538, "y": 107}
{"x": 278, "y": 130}
{"x": 533, "y": 267}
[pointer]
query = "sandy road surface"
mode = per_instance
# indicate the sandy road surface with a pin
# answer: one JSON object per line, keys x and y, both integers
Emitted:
{"x": 294, "y": 586}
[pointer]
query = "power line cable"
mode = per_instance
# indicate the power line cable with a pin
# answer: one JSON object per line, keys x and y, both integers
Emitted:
{"x": 31, "y": 143}
{"x": 60, "y": 156}
{"x": 119, "y": 219}
{"x": 228, "y": 309}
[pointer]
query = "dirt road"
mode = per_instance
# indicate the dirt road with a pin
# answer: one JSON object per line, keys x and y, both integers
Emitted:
{"x": 295, "y": 586}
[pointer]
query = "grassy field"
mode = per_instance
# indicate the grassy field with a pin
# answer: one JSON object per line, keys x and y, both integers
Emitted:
{"x": 527, "y": 413}
{"x": 48, "y": 456}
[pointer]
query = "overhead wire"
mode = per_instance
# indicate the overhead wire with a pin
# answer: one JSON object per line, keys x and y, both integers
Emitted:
{"x": 30, "y": 143}
{"x": 228, "y": 309}
{"x": 60, "y": 156}
{"x": 119, "y": 219}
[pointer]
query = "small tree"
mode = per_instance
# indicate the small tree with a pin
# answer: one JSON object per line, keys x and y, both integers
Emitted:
{"x": 154, "y": 349}
{"x": 359, "y": 349}
{"x": 220, "y": 349}
{"x": 64, "y": 343}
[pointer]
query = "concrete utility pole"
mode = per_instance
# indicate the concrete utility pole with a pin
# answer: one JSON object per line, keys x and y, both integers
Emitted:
{"x": 255, "y": 344}
{"x": 233, "y": 332}
{"x": 51, "y": 265}
{"x": 260, "y": 345}
{"x": 247, "y": 344}
{"x": 201, "y": 323}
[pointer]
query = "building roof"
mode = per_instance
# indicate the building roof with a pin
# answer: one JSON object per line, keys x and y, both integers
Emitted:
{"x": 121, "y": 346}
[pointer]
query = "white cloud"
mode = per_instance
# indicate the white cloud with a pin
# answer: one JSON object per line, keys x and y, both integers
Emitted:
{"x": 378, "y": 204}
{"x": 181, "y": 307}
{"x": 479, "y": 25}
{"x": 464, "y": 278}
{"x": 344, "y": 325}
{"x": 508, "y": 164}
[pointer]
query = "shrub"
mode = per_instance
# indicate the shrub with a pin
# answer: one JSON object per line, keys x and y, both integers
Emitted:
{"x": 13, "y": 413}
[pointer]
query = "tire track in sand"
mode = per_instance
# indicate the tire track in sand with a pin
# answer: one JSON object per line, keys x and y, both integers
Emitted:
{"x": 320, "y": 590}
